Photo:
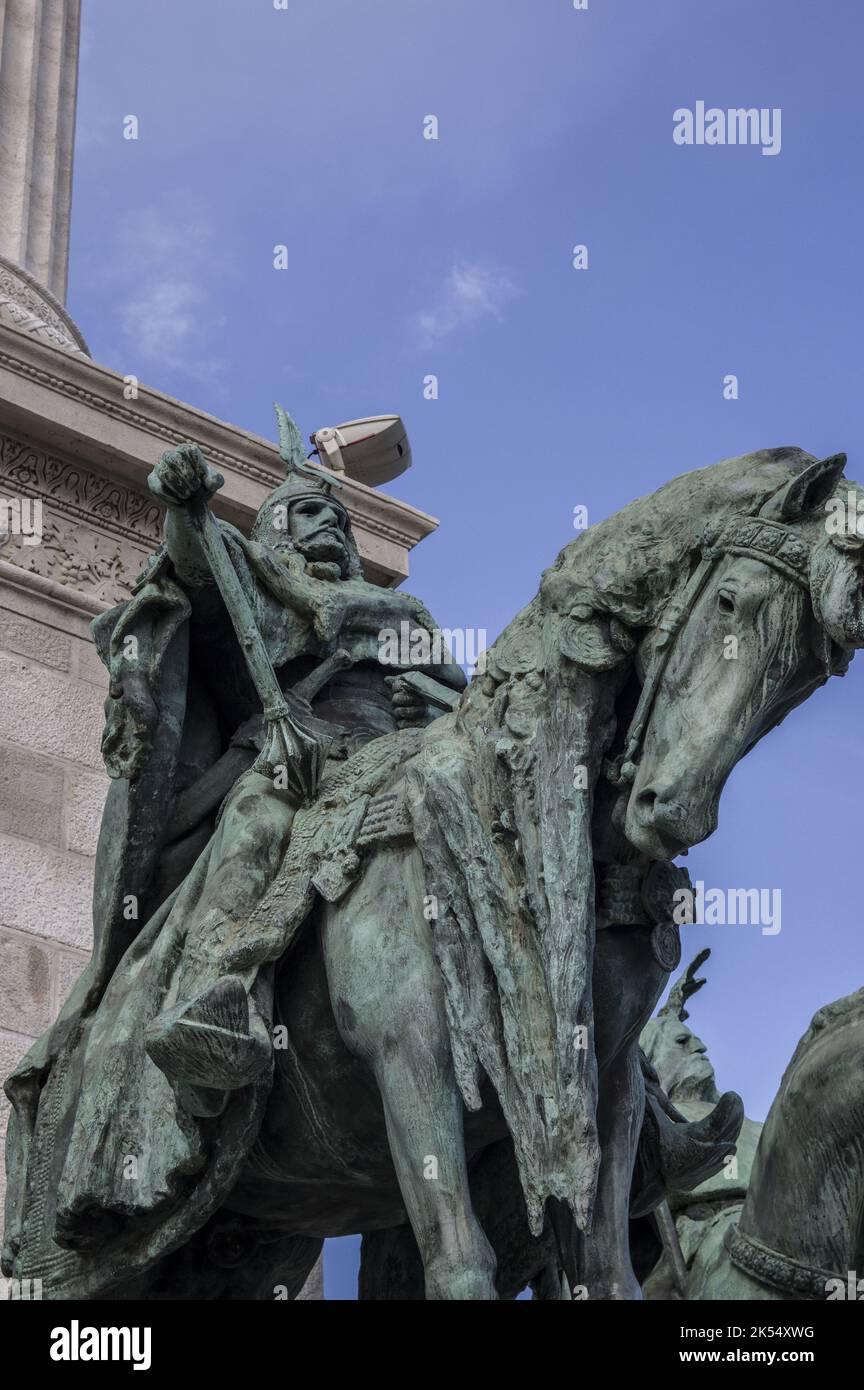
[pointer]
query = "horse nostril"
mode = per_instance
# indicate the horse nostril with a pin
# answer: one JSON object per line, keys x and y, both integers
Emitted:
{"x": 670, "y": 816}
{"x": 647, "y": 800}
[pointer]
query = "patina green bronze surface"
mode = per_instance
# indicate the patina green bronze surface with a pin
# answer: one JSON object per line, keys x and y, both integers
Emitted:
{"x": 783, "y": 1221}
{"x": 373, "y": 953}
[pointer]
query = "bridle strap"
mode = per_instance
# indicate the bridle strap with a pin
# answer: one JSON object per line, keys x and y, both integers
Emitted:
{"x": 757, "y": 538}
{"x": 761, "y": 538}
{"x": 623, "y": 768}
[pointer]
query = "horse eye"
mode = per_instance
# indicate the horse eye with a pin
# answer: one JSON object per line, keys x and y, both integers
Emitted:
{"x": 725, "y": 604}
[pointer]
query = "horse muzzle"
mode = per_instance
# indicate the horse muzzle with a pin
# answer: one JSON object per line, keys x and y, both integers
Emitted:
{"x": 660, "y": 826}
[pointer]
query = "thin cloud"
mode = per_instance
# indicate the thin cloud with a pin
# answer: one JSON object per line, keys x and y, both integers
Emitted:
{"x": 470, "y": 293}
{"x": 161, "y": 321}
{"x": 168, "y": 315}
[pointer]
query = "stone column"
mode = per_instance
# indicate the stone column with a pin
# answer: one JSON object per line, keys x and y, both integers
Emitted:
{"x": 38, "y": 83}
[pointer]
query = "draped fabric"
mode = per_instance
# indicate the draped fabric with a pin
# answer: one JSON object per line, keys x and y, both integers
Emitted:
{"x": 502, "y": 816}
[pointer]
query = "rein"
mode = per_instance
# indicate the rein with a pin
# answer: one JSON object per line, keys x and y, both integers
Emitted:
{"x": 623, "y": 768}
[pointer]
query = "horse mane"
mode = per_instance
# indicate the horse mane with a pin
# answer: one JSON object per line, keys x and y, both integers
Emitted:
{"x": 617, "y": 577}
{"x": 628, "y": 565}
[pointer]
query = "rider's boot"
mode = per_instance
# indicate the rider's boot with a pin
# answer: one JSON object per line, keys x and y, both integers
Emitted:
{"x": 677, "y": 1154}
{"x": 210, "y": 1045}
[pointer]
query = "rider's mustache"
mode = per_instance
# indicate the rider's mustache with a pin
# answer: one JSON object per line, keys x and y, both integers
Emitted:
{"x": 327, "y": 528}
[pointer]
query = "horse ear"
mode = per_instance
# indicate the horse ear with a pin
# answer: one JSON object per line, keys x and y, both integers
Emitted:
{"x": 806, "y": 491}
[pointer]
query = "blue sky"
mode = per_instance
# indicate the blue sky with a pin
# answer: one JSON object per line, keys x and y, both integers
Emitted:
{"x": 557, "y": 387}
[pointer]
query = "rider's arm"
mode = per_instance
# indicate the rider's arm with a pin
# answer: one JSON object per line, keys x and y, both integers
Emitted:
{"x": 421, "y": 696}
{"x": 179, "y": 479}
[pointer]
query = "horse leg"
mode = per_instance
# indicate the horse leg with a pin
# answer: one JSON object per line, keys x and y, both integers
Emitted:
{"x": 390, "y": 1266}
{"x": 627, "y": 982}
{"x": 607, "y": 1271}
{"x": 389, "y": 1007}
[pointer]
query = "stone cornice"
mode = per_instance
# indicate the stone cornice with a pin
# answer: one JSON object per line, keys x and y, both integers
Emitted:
{"x": 70, "y": 403}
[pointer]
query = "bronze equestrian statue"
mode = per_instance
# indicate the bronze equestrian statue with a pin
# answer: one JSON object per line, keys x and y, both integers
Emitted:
{"x": 374, "y": 948}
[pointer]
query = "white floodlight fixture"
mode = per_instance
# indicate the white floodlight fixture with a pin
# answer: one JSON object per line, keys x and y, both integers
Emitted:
{"x": 373, "y": 450}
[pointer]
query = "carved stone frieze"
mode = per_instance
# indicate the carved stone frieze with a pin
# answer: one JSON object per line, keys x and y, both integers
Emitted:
{"x": 96, "y": 531}
{"x": 78, "y": 557}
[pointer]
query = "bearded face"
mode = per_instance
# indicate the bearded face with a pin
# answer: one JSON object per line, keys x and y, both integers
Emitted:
{"x": 316, "y": 527}
{"x": 680, "y": 1060}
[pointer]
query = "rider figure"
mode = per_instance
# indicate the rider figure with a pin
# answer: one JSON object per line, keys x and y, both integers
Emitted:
{"x": 212, "y": 1038}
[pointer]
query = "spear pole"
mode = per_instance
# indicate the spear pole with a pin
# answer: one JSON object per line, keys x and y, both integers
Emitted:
{"x": 671, "y": 1245}
{"x": 289, "y": 745}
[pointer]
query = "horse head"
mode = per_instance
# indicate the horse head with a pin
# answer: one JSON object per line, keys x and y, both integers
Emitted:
{"x": 772, "y": 606}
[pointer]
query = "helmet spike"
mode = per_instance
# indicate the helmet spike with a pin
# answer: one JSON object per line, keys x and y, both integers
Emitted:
{"x": 292, "y": 449}
{"x": 685, "y": 987}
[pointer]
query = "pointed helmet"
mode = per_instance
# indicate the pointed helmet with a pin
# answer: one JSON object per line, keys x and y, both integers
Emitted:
{"x": 303, "y": 480}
